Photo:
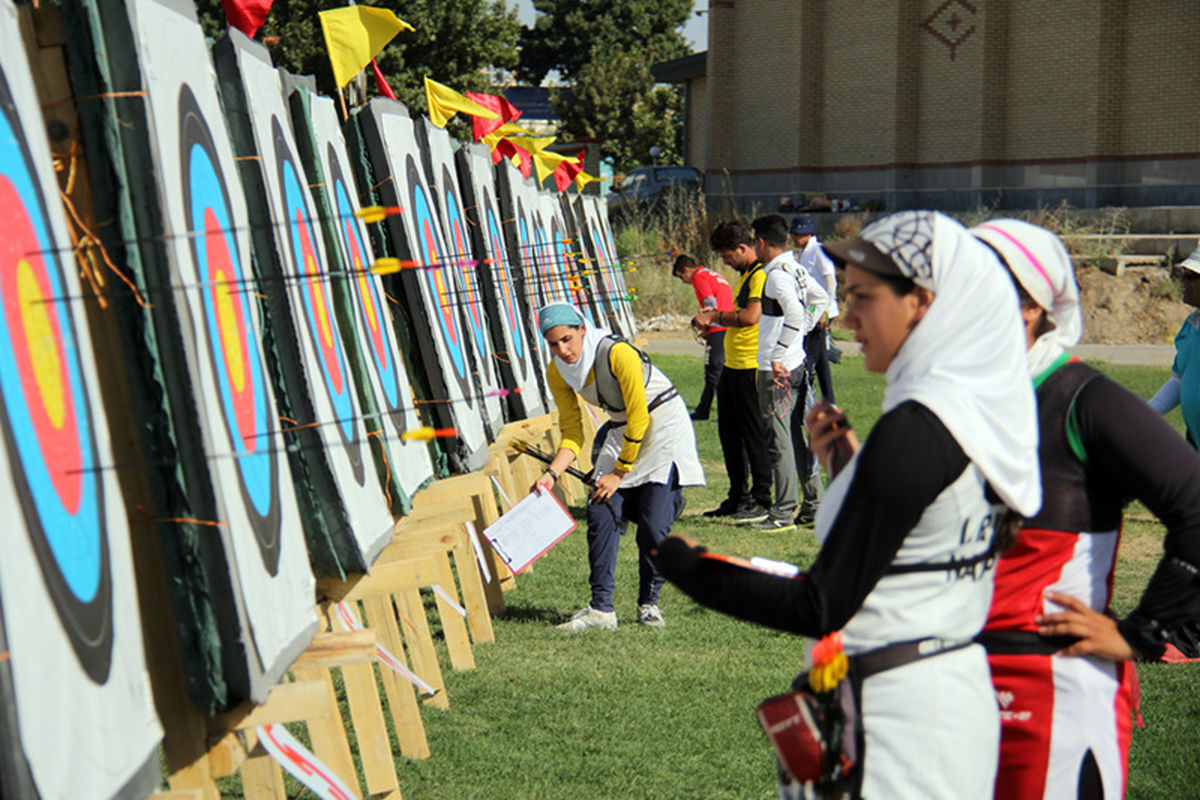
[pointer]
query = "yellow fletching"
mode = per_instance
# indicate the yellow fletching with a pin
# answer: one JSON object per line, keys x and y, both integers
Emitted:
{"x": 425, "y": 434}
{"x": 371, "y": 213}
{"x": 385, "y": 266}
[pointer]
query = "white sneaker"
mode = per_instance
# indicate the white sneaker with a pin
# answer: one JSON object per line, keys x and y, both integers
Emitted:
{"x": 589, "y": 617}
{"x": 650, "y": 616}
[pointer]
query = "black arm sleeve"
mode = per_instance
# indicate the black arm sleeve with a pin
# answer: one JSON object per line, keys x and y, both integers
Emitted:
{"x": 1142, "y": 454}
{"x": 904, "y": 465}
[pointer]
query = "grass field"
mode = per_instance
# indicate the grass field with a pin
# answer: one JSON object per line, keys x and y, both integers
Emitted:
{"x": 640, "y": 713}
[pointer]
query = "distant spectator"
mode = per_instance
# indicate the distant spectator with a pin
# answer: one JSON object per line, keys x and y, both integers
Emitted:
{"x": 712, "y": 291}
{"x": 1183, "y": 387}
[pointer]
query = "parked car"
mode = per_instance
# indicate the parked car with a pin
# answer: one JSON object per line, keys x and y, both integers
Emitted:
{"x": 652, "y": 190}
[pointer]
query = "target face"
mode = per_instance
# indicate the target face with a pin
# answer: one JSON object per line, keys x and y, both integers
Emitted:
{"x": 504, "y": 279}
{"x": 435, "y": 278}
{"x": 561, "y": 255}
{"x": 319, "y": 323}
{"x": 460, "y": 249}
{"x": 47, "y": 421}
{"x": 231, "y": 346}
{"x": 368, "y": 300}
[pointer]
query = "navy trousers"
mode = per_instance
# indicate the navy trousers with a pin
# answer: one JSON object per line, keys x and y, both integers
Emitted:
{"x": 653, "y": 507}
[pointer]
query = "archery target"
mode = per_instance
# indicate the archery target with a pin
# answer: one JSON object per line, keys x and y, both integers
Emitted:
{"x": 607, "y": 245}
{"x": 440, "y": 174}
{"x": 577, "y": 254}
{"x": 235, "y": 361}
{"x": 508, "y": 315}
{"x": 520, "y": 252}
{"x": 561, "y": 247}
{"x": 356, "y": 520}
{"x": 603, "y": 288}
{"x": 433, "y": 293}
{"x": 604, "y": 254}
{"x": 213, "y": 359}
{"x": 372, "y": 332}
{"x": 68, "y": 612}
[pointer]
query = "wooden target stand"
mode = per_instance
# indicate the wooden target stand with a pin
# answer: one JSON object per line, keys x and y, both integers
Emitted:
{"x": 431, "y": 547}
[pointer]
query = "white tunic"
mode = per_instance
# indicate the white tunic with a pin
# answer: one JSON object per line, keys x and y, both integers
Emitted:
{"x": 669, "y": 438}
{"x": 931, "y": 728}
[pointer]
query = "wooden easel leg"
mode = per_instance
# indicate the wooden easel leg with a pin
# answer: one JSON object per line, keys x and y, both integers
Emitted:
{"x": 328, "y": 732}
{"x": 262, "y": 777}
{"x": 401, "y": 696}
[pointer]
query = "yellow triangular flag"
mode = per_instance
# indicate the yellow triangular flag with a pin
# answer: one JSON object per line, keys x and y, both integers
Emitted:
{"x": 354, "y": 35}
{"x": 444, "y": 103}
{"x": 531, "y": 143}
{"x": 583, "y": 179}
{"x": 545, "y": 162}
{"x": 505, "y": 130}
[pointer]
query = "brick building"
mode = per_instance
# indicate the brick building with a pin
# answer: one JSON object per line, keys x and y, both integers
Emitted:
{"x": 947, "y": 103}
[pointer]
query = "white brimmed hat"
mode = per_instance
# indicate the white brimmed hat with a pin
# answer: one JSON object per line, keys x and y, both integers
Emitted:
{"x": 1192, "y": 262}
{"x": 1040, "y": 262}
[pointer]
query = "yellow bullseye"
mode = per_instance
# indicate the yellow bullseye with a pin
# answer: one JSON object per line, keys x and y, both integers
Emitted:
{"x": 235, "y": 362}
{"x": 43, "y": 347}
{"x": 323, "y": 325}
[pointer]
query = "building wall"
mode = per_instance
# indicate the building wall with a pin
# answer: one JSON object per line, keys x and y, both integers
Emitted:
{"x": 953, "y": 102}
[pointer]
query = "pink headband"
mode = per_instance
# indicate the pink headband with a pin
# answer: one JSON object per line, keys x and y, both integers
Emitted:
{"x": 1025, "y": 252}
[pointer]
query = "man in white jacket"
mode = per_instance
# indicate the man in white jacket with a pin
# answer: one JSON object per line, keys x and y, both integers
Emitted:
{"x": 792, "y": 302}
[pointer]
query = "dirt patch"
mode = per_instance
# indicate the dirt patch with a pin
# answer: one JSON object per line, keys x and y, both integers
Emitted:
{"x": 1142, "y": 306}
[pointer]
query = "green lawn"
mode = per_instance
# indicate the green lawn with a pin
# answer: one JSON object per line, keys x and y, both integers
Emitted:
{"x": 640, "y": 713}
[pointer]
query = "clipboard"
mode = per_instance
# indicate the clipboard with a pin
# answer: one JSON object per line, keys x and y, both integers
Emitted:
{"x": 529, "y": 529}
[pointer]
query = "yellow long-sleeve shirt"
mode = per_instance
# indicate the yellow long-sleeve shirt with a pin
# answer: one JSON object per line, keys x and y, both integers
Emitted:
{"x": 627, "y": 368}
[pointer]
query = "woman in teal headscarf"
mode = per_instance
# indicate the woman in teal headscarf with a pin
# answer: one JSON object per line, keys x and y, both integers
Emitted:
{"x": 648, "y": 451}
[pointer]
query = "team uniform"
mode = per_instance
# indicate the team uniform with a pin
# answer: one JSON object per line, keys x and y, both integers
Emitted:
{"x": 791, "y": 305}
{"x": 1066, "y": 719}
{"x": 818, "y": 265}
{"x": 739, "y": 424}
{"x": 907, "y": 528}
{"x": 650, "y": 434}
{"x": 1183, "y": 387}
{"x": 712, "y": 291}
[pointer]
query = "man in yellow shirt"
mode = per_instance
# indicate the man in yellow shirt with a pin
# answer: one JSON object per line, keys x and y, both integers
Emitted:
{"x": 739, "y": 422}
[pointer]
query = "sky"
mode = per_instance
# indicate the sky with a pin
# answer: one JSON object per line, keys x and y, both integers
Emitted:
{"x": 695, "y": 31}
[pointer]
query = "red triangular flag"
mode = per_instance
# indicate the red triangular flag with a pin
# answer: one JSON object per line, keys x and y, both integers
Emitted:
{"x": 516, "y": 151}
{"x": 482, "y": 127}
{"x": 381, "y": 82}
{"x": 564, "y": 174}
{"x": 246, "y": 15}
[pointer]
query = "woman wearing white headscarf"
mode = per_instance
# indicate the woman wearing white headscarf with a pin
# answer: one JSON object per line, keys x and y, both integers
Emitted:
{"x": 648, "y": 453}
{"x": 908, "y": 526}
{"x": 1059, "y": 663}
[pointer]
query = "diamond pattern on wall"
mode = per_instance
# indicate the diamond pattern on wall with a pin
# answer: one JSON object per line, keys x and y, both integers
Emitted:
{"x": 951, "y": 23}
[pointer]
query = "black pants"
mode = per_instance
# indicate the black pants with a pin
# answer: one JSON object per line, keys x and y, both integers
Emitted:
{"x": 743, "y": 438}
{"x": 714, "y": 362}
{"x": 816, "y": 360}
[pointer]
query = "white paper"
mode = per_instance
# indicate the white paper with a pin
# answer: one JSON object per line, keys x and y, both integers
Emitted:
{"x": 529, "y": 529}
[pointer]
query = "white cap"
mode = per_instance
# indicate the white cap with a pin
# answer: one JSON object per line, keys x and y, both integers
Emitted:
{"x": 1039, "y": 261}
{"x": 1192, "y": 262}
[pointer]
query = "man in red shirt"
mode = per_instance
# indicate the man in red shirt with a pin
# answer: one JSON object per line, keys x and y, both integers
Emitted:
{"x": 712, "y": 291}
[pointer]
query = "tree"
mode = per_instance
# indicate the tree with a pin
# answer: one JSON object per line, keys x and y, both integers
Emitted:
{"x": 603, "y": 49}
{"x": 454, "y": 42}
{"x": 615, "y": 100}
{"x": 568, "y": 34}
